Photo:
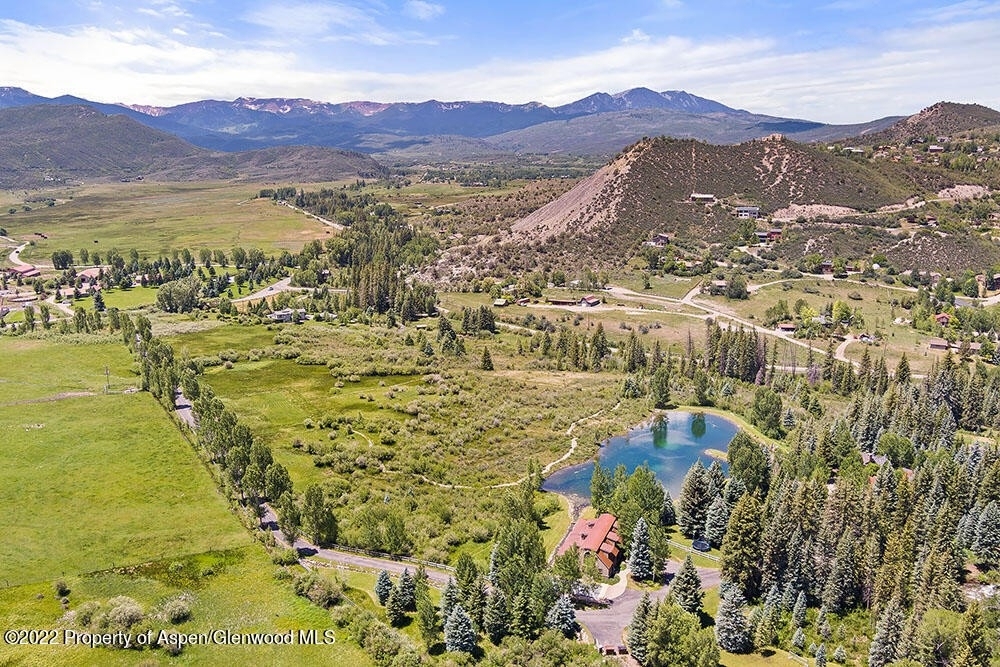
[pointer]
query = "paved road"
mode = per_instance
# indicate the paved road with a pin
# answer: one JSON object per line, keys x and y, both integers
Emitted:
{"x": 607, "y": 625}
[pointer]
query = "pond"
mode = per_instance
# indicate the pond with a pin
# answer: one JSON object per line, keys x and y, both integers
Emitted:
{"x": 669, "y": 445}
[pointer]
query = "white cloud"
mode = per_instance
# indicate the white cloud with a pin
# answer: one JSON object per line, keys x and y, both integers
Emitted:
{"x": 422, "y": 10}
{"x": 896, "y": 72}
{"x": 635, "y": 36}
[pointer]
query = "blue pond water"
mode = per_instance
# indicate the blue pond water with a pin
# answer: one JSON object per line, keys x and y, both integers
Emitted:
{"x": 668, "y": 446}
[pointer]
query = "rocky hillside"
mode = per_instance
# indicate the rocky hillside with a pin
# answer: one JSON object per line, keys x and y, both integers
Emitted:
{"x": 46, "y": 144}
{"x": 647, "y": 189}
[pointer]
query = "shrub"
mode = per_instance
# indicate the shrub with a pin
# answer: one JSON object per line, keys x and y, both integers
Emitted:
{"x": 177, "y": 610}
{"x": 124, "y": 612}
{"x": 62, "y": 590}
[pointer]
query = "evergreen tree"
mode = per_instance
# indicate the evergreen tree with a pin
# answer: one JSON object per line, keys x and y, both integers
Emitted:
{"x": 686, "y": 587}
{"x": 766, "y": 628}
{"x": 394, "y": 610}
{"x": 715, "y": 523}
{"x": 840, "y": 655}
{"x": 821, "y": 656}
{"x": 496, "y": 620}
{"x": 694, "y": 501}
{"x": 427, "y": 619}
{"x": 741, "y": 548}
{"x": 383, "y": 586}
{"x": 799, "y": 611}
{"x": 638, "y": 630}
{"x": 986, "y": 544}
{"x": 888, "y": 633}
{"x": 799, "y": 638}
{"x": 449, "y": 598}
{"x": 974, "y": 635}
{"x": 731, "y": 629}
{"x": 522, "y": 622}
{"x": 458, "y": 633}
{"x": 640, "y": 560}
{"x": 668, "y": 514}
{"x": 486, "y": 363}
{"x": 407, "y": 591}
{"x": 562, "y": 617}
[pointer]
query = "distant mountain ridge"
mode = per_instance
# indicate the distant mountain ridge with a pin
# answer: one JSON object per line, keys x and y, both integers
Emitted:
{"x": 49, "y": 144}
{"x": 377, "y": 127}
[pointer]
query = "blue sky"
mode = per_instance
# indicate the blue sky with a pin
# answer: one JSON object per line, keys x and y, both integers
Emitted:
{"x": 833, "y": 61}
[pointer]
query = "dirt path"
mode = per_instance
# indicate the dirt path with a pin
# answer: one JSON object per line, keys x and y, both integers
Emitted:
{"x": 436, "y": 573}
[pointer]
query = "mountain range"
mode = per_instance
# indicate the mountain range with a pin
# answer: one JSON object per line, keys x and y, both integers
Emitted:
{"x": 598, "y": 125}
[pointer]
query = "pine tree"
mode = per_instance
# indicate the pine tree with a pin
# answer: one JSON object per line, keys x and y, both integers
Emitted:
{"x": 686, "y": 587}
{"x": 383, "y": 586}
{"x": 638, "y": 630}
{"x": 715, "y": 523}
{"x": 640, "y": 559}
{"x": 799, "y": 611}
{"x": 407, "y": 591}
{"x": 821, "y": 656}
{"x": 668, "y": 514}
{"x": 986, "y": 544}
{"x": 799, "y": 639}
{"x": 741, "y": 548}
{"x": 522, "y": 623}
{"x": 562, "y": 617}
{"x": 840, "y": 655}
{"x": 694, "y": 501}
{"x": 449, "y": 598}
{"x": 888, "y": 632}
{"x": 496, "y": 620}
{"x": 731, "y": 629}
{"x": 427, "y": 619}
{"x": 487, "y": 361}
{"x": 974, "y": 634}
{"x": 659, "y": 388}
{"x": 767, "y": 626}
{"x": 458, "y": 633}
{"x": 394, "y": 610}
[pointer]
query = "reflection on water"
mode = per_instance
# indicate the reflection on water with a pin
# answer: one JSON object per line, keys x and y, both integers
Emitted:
{"x": 668, "y": 444}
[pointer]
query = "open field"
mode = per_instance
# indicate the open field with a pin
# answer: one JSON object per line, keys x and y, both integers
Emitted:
{"x": 102, "y": 491}
{"x": 157, "y": 218}
{"x": 229, "y": 590}
{"x": 91, "y": 452}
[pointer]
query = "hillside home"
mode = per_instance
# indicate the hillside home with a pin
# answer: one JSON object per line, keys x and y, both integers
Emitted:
{"x": 590, "y": 301}
{"x": 747, "y": 212}
{"x": 934, "y": 148}
{"x": 943, "y": 319}
{"x": 761, "y": 236}
{"x": 716, "y": 287}
{"x": 659, "y": 240}
{"x": 499, "y": 303}
{"x": 787, "y": 327}
{"x": 598, "y": 538}
{"x": 702, "y": 197}
{"x": 938, "y": 344}
{"x": 774, "y": 234}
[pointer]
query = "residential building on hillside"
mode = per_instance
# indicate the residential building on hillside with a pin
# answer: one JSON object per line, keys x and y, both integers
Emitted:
{"x": 598, "y": 538}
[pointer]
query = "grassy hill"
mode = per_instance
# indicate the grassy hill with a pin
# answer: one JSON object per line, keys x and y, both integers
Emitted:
{"x": 939, "y": 120}
{"x": 56, "y": 144}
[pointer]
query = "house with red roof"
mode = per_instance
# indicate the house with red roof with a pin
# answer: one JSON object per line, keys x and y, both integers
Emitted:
{"x": 597, "y": 537}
